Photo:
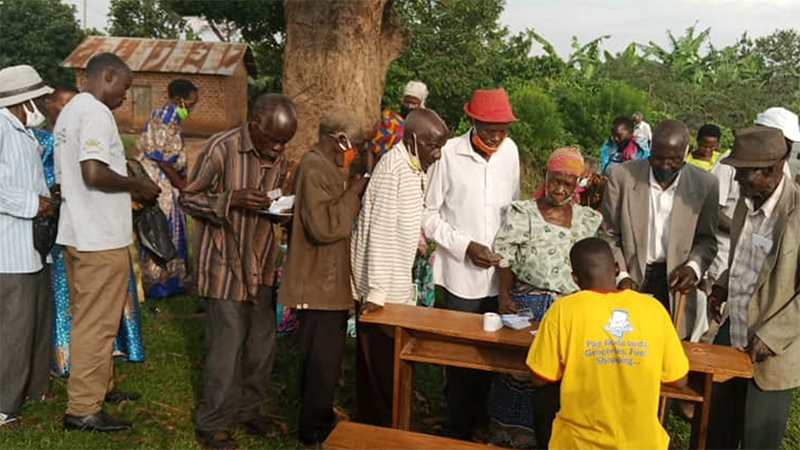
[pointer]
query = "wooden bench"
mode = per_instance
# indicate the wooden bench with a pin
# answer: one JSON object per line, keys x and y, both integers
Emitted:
{"x": 357, "y": 436}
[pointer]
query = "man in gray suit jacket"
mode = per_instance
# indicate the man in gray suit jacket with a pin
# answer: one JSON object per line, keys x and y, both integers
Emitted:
{"x": 660, "y": 218}
{"x": 761, "y": 294}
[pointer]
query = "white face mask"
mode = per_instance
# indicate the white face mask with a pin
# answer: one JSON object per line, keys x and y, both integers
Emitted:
{"x": 33, "y": 118}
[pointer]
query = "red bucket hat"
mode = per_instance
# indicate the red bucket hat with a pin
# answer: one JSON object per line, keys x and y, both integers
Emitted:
{"x": 490, "y": 106}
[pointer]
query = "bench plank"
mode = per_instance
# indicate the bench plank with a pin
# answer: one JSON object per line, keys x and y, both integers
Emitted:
{"x": 358, "y": 436}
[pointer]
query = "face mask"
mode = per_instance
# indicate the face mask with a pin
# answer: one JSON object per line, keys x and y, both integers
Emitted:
{"x": 182, "y": 112}
{"x": 415, "y": 162}
{"x": 33, "y": 118}
{"x": 665, "y": 176}
{"x": 480, "y": 145}
{"x": 348, "y": 152}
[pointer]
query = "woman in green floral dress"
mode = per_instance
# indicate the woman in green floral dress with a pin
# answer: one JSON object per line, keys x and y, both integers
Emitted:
{"x": 535, "y": 241}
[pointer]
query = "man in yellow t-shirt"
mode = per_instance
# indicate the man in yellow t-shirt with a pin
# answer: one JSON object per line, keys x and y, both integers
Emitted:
{"x": 611, "y": 351}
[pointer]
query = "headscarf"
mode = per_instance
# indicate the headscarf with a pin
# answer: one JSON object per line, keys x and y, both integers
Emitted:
{"x": 565, "y": 160}
{"x": 417, "y": 89}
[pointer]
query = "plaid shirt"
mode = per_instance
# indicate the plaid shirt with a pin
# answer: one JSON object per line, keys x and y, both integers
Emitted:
{"x": 235, "y": 249}
{"x": 755, "y": 243}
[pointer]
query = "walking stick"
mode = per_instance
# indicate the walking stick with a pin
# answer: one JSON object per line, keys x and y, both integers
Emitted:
{"x": 662, "y": 406}
{"x": 679, "y": 312}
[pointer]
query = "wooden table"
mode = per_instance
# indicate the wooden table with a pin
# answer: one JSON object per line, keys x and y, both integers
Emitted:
{"x": 453, "y": 338}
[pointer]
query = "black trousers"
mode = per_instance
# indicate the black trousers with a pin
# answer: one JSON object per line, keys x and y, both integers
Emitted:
{"x": 320, "y": 343}
{"x": 374, "y": 375}
{"x": 26, "y": 330}
{"x": 240, "y": 337}
{"x": 467, "y": 390}
{"x": 656, "y": 283}
{"x": 742, "y": 413}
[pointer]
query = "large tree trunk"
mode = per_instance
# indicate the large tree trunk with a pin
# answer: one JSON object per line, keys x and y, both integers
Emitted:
{"x": 337, "y": 52}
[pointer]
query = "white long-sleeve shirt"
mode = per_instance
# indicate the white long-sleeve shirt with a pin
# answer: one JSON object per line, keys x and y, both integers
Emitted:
{"x": 22, "y": 182}
{"x": 466, "y": 201}
{"x": 385, "y": 238}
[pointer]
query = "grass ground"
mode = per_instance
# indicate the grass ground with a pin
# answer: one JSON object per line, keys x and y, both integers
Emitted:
{"x": 170, "y": 383}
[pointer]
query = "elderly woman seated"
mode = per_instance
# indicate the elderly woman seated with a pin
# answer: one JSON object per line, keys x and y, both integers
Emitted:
{"x": 534, "y": 242}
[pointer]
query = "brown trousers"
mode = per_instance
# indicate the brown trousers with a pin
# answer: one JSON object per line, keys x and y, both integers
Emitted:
{"x": 98, "y": 284}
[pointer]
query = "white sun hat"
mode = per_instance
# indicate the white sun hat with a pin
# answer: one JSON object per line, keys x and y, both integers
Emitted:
{"x": 783, "y": 119}
{"x": 19, "y": 84}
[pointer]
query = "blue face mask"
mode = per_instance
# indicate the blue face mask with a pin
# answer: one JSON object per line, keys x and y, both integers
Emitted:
{"x": 665, "y": 176}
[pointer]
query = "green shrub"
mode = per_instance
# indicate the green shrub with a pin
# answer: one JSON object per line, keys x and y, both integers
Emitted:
{"x": 589, "y": 108}
{"x": 539, "y": 129}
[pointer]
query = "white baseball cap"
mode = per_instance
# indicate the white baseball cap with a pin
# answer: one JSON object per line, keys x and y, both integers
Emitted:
{"x": 19, "y": 84}
{"x": 782, "y": 119}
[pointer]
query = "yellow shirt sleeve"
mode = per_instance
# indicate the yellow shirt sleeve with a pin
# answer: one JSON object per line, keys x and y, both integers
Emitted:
{"x": 544, "y": 357}
{"x": 675, "y": 364}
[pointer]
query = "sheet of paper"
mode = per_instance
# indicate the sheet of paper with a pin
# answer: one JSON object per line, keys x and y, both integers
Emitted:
{"x": 515, "y": 321}
{"x": 283, "y": 205}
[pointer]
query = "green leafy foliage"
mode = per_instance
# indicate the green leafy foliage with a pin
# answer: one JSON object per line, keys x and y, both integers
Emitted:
{"x": 589, "y": 108}
{"x": 144, "y": 19}
{"x": 40, "y": 33}
{"x": 539, "y": 128}
{"x": 456, "y": 47}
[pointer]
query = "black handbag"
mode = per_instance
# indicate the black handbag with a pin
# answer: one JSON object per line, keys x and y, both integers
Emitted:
{"x": 45, "y": 230}
{"x": 151, "y": 224}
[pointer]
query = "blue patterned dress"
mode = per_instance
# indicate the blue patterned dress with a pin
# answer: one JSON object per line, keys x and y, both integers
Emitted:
{"x": 129, "y": 337}
{"x": 162, "y": 141}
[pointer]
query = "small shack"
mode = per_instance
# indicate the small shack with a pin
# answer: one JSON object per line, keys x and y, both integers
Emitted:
{"x": 219, "y": 70}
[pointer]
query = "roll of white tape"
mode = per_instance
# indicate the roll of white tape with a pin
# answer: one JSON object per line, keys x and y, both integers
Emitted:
{"x": 492, "y": 322}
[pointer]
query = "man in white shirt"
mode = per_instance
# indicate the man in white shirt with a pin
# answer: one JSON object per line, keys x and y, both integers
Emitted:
{"x": 95, "y": 229}
{"x": 660, "y": 218}
{"x": 26, "y": 310}
{"x": 382, "y": 251}
{"x": 468, "y": 192}
{"x": 761, "y": 294}
{"x": 641, "y": 129}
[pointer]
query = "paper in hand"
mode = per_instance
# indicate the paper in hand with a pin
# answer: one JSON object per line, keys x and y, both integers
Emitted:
{"x": 282, "y": 206}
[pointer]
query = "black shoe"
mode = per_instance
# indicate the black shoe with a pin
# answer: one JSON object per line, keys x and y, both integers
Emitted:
{"x": 99, "y": 421}
{"x": 216, "y": 440}
{"x": 115, "y": 396}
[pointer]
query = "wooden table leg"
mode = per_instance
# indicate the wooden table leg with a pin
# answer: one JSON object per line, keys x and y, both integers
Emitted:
{"x": 403, "y": 389}
{"x": 701, "y": 414}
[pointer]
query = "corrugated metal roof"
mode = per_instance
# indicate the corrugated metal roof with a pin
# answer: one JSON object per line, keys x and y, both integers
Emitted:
{"x": 154, "y": 55}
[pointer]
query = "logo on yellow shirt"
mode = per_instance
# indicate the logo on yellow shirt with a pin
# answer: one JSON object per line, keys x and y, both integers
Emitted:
{"x": 618, "y": 324}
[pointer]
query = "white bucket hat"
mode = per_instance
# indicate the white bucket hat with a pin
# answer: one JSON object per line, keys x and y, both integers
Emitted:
{"x": 782, "y": 119}
{"x": 19, "y": 84}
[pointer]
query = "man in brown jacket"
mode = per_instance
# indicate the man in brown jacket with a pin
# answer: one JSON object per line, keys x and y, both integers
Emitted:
{"x": 317, "y": 282}
{"x": 761, "y": 294}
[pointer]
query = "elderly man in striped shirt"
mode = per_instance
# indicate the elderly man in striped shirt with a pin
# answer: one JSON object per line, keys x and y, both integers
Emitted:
{"x": 236, "y": 247}
{"x": 382, "y": 252}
